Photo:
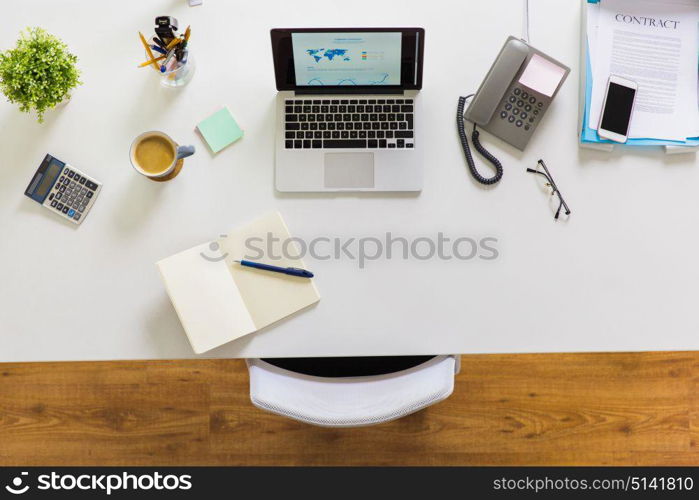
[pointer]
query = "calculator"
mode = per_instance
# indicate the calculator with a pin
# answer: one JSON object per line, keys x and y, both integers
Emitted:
{"x": 63, "y": 189}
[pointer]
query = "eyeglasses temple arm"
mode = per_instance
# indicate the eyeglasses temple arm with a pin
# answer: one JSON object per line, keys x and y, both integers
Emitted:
{"x": 541, "y": 173}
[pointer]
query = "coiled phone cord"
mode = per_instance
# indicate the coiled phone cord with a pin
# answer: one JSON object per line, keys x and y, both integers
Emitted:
{"x": 476, "y": 144}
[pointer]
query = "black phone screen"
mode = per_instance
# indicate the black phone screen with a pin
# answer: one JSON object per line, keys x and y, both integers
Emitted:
{"x": 617, "y": 110}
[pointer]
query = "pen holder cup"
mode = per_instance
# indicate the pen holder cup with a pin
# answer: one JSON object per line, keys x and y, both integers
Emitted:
{"x": 178, "y": 74}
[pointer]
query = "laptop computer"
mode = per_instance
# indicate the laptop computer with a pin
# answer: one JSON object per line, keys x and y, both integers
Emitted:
{"x": 348, "y": 109}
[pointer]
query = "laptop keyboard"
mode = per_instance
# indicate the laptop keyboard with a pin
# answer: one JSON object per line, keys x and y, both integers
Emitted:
{"x": 349, "y": 123}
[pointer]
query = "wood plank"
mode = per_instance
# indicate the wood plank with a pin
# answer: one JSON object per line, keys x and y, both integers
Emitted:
{"x": 577, "y": 409}
{"x": 84, "y": 423}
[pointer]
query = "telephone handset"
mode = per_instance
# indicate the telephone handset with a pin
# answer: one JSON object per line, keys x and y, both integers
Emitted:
{"x": 511, "y": 101}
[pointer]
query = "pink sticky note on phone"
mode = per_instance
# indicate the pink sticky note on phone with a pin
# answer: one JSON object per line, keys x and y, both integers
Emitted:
{"x": 542, "y": 75}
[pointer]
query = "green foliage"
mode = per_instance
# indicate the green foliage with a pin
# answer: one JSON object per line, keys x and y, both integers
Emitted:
{"x": 39, "y": 72}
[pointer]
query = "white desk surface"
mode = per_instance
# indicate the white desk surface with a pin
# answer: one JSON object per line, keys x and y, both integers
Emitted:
{"x": 621, "y": 274}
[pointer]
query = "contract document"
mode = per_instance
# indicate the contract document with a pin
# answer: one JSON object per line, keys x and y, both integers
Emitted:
{"x": 655, "y": 44}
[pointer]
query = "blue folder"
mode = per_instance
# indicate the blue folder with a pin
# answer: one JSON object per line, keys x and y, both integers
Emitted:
{"x": 590, "y": 136}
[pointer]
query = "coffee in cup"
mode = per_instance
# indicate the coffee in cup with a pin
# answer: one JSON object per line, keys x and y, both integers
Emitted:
{"x": 155, "y": 155}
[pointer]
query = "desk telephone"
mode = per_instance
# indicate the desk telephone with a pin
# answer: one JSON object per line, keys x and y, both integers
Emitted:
{"x": 511, "y": 101}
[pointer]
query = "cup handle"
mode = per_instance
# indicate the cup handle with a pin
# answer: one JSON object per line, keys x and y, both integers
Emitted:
{"x": 185, "y": 151}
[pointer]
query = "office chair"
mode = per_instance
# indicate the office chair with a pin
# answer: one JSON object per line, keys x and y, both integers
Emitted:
{"x": 351, "y": 401}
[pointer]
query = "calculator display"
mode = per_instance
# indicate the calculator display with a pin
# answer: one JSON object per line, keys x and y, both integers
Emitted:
{"x": 47, "y": 181}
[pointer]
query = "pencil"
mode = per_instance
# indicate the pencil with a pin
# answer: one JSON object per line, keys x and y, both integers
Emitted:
{"x": 151, "y": 61}
{"x": 148, "y": 51}
{"x": 187, "y": 32}
{"x": 173, "y": 43}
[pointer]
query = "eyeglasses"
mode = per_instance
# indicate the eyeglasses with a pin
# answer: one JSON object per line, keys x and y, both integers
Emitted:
{"x": 550, "y": 183}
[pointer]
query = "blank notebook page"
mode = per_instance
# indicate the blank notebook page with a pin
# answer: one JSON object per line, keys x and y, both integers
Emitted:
{"x": 205, "y": 298}
{"x": 268, "y": 296}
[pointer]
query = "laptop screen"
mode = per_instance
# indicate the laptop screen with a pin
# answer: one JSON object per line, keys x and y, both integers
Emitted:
{"x": 348, "y": 60}
{"x": 337, "y": 58}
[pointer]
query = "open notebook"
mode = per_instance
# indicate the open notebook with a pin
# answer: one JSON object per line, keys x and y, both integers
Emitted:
{"x": 218, "y": 300}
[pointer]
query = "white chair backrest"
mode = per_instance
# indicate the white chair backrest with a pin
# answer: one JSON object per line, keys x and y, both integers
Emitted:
{"x": 351, "y": 401}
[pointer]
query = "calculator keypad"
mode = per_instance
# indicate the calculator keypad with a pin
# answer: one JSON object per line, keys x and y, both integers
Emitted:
{"x": 72, "y": 195}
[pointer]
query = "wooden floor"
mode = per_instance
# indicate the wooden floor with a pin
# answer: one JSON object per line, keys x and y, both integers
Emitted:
{"x": 523, "y": 409}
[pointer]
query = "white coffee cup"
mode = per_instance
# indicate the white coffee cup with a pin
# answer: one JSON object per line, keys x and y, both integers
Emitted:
{"x": 178, "y": 152}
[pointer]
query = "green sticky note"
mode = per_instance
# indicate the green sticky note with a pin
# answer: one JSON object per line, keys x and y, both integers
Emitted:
{"x": 220, "y": 130}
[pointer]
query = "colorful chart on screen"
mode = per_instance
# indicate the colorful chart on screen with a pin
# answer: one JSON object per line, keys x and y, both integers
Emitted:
{"x": 331, "y": 59}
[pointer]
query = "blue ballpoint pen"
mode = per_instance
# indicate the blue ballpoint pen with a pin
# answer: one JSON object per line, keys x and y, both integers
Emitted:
{"x": 159, "y": 49}
{"x": 170, "y": 55}
{"x": 291, "y": 271}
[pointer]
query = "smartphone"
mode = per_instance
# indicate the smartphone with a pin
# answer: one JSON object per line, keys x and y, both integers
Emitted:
{"x": 619, "y": 102}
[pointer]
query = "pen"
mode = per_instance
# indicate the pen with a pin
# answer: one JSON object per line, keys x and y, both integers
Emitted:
{"x": 291, "y": 271}
{"x": 183, "y": 56}
{"x": 159, "y": 42}
{"x": 158, "y": 49}
{"x": 163, "y": 66}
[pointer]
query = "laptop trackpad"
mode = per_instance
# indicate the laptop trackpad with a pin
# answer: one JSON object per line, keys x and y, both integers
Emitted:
{"x": 349, "y": 170}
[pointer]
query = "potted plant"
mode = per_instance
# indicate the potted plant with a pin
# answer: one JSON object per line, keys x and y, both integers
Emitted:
{"x": 38, "y": 73}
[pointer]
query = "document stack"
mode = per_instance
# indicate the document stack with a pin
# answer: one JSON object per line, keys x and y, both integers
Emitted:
{"x": 655, "y": 44}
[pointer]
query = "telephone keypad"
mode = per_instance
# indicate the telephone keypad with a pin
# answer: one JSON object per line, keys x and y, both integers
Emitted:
{"x": 521, "y": 108}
